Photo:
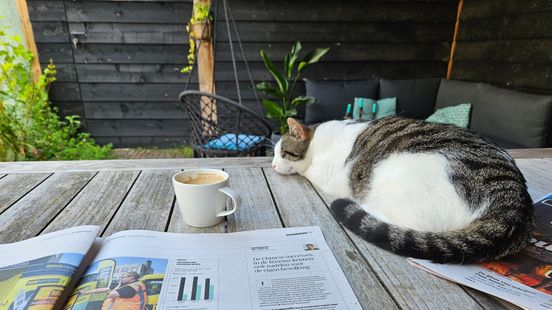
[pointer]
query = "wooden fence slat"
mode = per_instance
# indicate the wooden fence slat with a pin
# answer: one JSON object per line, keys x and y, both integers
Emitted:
{"x": 169, "y": 73}
{"x": 147, "y": 205}
{"x": 41, "y": 205}
{"x": 132, "y": 12}
{"x": 140, "y": 141}
{"x": 513, "y": 51}
{"x": 513, "y": 74}
{"x": 15, "y": 186}
{"x": 176, "y": 53}
{"x": 509, "y": 27}
{"x": 97, "y": 202}
{"x": 303, "y": 207}
{"x": 50, "y": 32}
{"x": 420, "y": 290}
{"x": 405, "y": 32}
{"x": 485, "y": 9}
{"x": 46, "y": 10}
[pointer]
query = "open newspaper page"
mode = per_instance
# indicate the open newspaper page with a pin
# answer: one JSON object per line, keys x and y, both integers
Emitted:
{"x": 35, "y": 272}
{"x": 290, "y": 268}
{"x": 524, "y": 279}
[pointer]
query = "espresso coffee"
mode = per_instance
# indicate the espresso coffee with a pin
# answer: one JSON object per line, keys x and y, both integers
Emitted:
{"x": 204, "y": 178}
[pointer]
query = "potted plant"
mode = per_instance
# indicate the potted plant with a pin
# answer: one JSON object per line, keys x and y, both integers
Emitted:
{"x": 281, "y": 104}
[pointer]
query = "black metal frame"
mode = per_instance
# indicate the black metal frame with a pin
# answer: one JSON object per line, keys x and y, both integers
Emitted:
{"x": 207, "y": 125}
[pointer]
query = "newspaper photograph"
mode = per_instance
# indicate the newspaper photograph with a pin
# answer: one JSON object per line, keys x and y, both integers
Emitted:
{"x": 524, "y": 279}
{"x": 34, "y": 273}
{"x": 291, "y": 268}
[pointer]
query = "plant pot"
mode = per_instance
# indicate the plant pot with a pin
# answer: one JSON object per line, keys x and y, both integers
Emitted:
{"x": 275, "y": 137}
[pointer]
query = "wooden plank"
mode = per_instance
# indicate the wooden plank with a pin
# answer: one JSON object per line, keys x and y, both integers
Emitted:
{"x": 420, "y": 290}
{"x": 67, "y": 108}
{"x": 519, "y": 26}
{"x": 299, "y": 205}
{"x": 132, "y": 12}
{"x": 132, "y": 164}
{"x": 537, "y": 174}
{"x": 176, "y": 53}
{"x": 29, "y": 37}
{"x": 534, "y": 51}
{"x": 63, "y": 91}
{"x": 65, "y": 72}
{"x": 129, "y": 12}
{"x": 57, "y": 52}
{"x": 392, "y": 32}
{"x": 139, "y": 141}
{"x": 142, "y": 109}
{"x": 510, "y": 75}
{"x": 147, "y": 205}
{"x": 149, "y": 92}
{"x": 143, "y": 127}
{"x": 258, "y": 210}
{"x": 531, "y": 153}
{"x": 169, "y": 73}
{"x": 50, "y": 32}
{"x": 97, "y": 203}
{"x": 485, "y": 9}
{"x": 46, "y": 10}
{"x": 15, "y": 186}
{"x": 27, "y": 217}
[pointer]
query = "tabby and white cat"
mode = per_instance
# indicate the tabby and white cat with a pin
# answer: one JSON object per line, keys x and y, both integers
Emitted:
{"x": 418, "y": 189}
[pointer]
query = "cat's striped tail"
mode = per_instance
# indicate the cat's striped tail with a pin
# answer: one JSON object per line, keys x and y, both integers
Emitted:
{"x": 484, "y": 239}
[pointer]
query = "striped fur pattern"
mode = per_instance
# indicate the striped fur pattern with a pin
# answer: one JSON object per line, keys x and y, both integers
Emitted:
{"x": 418, "y": 189}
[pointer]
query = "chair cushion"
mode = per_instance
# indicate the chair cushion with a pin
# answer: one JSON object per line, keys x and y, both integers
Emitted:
{"x": 415, "y": 98}
{"x": 517, "y": 118}
{"x": 452, "y": 93}
{"x": 228, "y": 142}
{"x": 384, "y": 107}
{"x": 333, "y": 97}
{"x": 458, "y": 115}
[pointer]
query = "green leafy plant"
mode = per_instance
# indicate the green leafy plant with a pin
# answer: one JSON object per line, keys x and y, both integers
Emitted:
{"x": 29, "y": 128}
{"x": 282, "y": 104}
{"x": 200, "y": 15}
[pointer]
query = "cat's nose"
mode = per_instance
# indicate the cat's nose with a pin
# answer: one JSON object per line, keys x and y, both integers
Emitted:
{"x": 274, "y": 166}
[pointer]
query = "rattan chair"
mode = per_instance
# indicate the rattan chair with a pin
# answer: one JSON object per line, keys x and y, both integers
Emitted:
{"x": 221, "y": 127}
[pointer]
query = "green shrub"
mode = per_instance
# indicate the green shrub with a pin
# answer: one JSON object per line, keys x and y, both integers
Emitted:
{"x": 29, "y": 128}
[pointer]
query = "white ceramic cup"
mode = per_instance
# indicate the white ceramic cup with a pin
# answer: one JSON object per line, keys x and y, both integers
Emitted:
{"x": 203, "y": 205}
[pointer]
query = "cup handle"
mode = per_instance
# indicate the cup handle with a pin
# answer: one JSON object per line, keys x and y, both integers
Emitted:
{"x": 236, "y": 200}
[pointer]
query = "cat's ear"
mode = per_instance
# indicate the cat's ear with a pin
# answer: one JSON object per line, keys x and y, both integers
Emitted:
{"x": 299, "y": 130}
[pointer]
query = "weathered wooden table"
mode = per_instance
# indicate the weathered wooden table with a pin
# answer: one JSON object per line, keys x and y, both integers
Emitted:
{"x": 40, "y": 197}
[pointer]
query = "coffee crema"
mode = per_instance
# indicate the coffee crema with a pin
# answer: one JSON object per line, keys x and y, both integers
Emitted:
{"x": 204, "y": 178}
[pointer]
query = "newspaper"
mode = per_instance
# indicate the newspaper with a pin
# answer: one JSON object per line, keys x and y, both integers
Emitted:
{"x": 276, "y": 269}
{"x": 524, "y": 279}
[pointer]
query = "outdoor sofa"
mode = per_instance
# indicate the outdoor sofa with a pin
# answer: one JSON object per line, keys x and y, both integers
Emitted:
{"x": 510, "y": 118}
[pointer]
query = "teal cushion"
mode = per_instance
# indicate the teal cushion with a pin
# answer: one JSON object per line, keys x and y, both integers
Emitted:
{"x": 229, "y": 142}
{"x": 458, "y": 115}
{"x": 383, "y": 107}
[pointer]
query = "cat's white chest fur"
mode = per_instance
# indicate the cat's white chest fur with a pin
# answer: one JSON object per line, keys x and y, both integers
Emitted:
{"x": 328, "y": 155}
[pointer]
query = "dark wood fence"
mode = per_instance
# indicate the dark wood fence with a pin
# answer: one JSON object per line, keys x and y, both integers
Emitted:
{"x": 123, "y": 76}
{"x": 507, "y": 43}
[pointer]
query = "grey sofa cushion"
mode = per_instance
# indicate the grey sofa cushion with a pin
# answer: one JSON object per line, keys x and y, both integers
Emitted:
{"x": 333, "y": 97}
{"x": 415, "y": 98}
{"x": 452, "y": 93}
{"x": 514, "y": 117}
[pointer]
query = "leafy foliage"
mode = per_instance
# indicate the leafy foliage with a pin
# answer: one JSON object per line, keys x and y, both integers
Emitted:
{"x": 29, "y": 128}
{"x": 281, "y": 104}
{"x": 200, "y": 14}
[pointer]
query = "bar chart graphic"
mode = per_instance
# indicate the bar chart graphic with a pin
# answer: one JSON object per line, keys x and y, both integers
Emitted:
{"x": 192, "y": 284}
{"x": 203, "y": 291}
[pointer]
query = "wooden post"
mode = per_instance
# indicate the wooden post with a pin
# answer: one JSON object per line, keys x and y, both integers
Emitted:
{"x": 29, "y": 37}
{"x": 453, "y": 45}
{"x": 202, "y": 33}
